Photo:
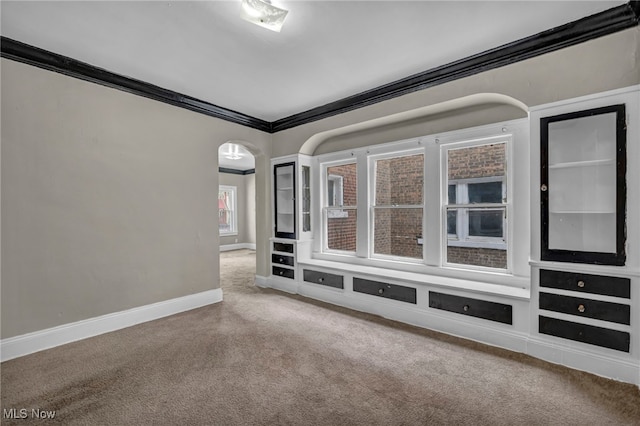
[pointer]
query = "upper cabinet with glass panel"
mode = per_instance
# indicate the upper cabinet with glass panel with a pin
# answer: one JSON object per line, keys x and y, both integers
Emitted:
{"x": 583, "y": 190}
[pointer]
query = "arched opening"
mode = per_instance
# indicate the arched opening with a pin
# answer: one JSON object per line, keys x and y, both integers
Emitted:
{"x": 241, "y": 170}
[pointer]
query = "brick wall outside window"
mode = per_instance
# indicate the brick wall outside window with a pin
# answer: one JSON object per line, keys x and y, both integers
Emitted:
{"x": 469, "y": 163}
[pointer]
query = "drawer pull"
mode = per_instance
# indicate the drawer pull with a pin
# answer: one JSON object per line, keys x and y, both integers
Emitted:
{"x": 381, "y": 290}
{"x": 465, "y": 308}
{"x": 320, "y": 279}
{"x": 581, "y": 308}
{"x": 581, "y": 284}
{"x": 281, "y": 260}
{"x": 281, "y": 272}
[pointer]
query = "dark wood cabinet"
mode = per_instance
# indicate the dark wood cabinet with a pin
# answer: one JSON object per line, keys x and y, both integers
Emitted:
{"x": 388, "y": 291}
{"x": 492, "y": 311}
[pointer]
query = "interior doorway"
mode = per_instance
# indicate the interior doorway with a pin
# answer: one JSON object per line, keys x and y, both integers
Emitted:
{"x": 236, "y": 214}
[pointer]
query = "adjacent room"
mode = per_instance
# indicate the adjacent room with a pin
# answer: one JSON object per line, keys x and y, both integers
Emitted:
{"x": 320, "y": 212}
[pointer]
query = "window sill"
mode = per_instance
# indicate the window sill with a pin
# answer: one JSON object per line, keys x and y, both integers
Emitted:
{"x": 228, "y": 234}
{"x": 471, "y": 281}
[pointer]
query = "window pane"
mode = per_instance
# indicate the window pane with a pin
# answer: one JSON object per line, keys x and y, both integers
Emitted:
{"x": 399, "y": 180}
{"x": 342, "y": 185}
{"x": 396, "y": 232}
{"x": 341, "y": 229}
{"x": 452, "y": 222}
{"x": 226, "y": 210}
{"x": 452, "y": 194}
{"x": 485, "y": 223}
{"x": 485, "y": 192}
{"x": 477, "y": 162}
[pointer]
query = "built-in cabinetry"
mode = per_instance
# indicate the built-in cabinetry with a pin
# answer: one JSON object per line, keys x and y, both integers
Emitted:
{"x": 291, "y": 214}
{"x": 585, "y": 240}
{"x": 580, "y": 305}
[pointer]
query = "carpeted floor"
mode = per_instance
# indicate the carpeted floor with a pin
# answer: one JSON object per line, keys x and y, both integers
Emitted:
{"x": 263, "y": 357}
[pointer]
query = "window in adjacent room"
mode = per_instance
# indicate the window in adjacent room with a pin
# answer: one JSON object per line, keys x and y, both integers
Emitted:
{"x": 227, "y": 214}
{"x": 476, "y": 205}
{"x": 397, "y": 209}
{"x": 340, "y": 210}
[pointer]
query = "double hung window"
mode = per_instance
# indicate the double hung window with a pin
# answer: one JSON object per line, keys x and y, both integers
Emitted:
{"x": 340, "y": 211}
{"x": 227, "y": 214}
{"x": 429, "y": 205}
{"x": 397, "y": 209}
{"x": 476, "y": 205}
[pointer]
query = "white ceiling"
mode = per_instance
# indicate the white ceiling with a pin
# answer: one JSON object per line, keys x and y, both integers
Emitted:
{"x": 326, "y": 50}
{"x": 246, "y": 161}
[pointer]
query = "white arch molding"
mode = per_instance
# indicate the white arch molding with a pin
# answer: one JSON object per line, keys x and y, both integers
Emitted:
{"x": 311, "y": 144}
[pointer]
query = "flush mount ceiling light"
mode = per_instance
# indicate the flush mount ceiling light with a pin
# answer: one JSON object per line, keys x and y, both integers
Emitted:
{"x": 263, "y": 13}
{"x": 233, "y": 152}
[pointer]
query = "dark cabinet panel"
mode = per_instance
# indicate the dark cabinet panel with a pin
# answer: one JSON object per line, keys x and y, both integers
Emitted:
{"x": 283, "y": 247}
{"x": 282, "y": 260}
{"x": 284, "y": 186}
{"x": 606, "y": 311}
{"x": 473, "y": 307}
{"x": 389, "y": 291}
{"x": 283, "y": 272}
{"x": 586, "y": 283}
{"x": 604, "y": 337}
{"x": 323, "y": 278}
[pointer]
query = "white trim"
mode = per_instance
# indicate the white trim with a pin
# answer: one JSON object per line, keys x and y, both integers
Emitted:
{"x": 262, "y": 282}
{"x": 238, "y": 246}
{"x": 14, "y": 347}
{"x": 592, "y": 96}
{"x": 605, "y": 366}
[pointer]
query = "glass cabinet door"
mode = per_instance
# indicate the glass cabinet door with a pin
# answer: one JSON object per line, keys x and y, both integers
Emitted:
{"x": 285, "y": 201}
{"x": 583, "y": 191}
{"x": 306, "y": 199}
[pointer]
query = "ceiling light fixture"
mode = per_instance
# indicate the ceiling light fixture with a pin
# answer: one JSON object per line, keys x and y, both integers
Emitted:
{"x": 233, "y": 153}
{"x": 263, "y": 13}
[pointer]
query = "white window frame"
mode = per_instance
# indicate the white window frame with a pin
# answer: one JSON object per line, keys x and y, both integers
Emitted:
{"x": 334, "y": 211}
{"x": 462, "y": 237}
{"x": 371, "y": 177}
{"x": 504, "y": 243}
{"x": 515, "y": 133}
{"x": 338, "y": 197}
{"x": 233, "y": 191}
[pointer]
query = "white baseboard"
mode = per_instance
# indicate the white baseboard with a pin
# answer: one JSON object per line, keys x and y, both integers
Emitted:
{"x": 229, "y": 247}
{"x": 605, "y": 366}
{"x": 261, "y": 281}
{"x": 25, "y": 344}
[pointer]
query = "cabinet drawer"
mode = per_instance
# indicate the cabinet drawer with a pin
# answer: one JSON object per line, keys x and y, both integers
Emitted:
{"x": 282, "y": 272}
{"x": 390, "y": 291}
{"x": 473, "y": 307}
{"x": 612, "y": 339}
{"x": 282, "y": 260}
{"x": 283, "y": 247}
{"x": 323, "y": 278}
{"x": 596, "y": 309}
{"x": 586, "y": 283}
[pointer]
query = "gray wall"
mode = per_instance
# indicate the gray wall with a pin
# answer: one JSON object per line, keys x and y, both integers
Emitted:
{"x": 246, "y": 193}
{"x": 109, "y": 200}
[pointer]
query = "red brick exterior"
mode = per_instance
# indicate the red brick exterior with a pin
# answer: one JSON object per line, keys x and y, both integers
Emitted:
{"x": 477, "y": 162}
{"x": 399, "y": 181}
{"x": 341, "y": 232}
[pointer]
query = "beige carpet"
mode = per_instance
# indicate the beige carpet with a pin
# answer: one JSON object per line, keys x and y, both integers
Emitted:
{"x": 263, "y": 357}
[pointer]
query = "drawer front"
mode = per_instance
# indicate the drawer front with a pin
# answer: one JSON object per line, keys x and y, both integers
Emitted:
{"x": 390, "y": 291}
{"x": 323, "y": 278}
{"x": 283, "y": 247}
{"x": 596, "y": 309}
{"x": 282, "y": 259}
{"x": 612, "y": 339}
{"x": 473, "y": 307}
{"x": 586, "y": 283}
{"x": 283, "y": 272}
